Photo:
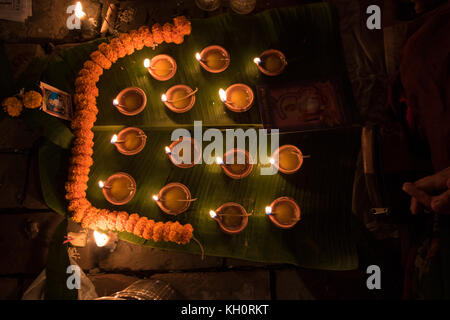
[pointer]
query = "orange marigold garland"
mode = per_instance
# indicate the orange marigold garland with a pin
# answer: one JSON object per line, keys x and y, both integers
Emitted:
{"x": 86, "y": 92}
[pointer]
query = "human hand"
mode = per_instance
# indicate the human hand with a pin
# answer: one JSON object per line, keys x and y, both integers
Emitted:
{"x": 430, "y": 193}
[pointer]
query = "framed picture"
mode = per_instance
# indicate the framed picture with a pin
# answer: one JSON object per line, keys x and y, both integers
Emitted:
{"x": 301, "y": 106}
{"x": 56, "y": 102}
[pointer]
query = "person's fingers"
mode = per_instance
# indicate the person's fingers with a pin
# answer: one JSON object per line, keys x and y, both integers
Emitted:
{"x": 431, "y": 183}
{"x": 416, "y": 207}
{"x": 421, "y": 196}
{"x": 441, "y": 203}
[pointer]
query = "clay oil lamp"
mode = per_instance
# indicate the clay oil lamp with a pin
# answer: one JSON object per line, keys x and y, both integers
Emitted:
{"x": 238, "y": 163}
{"x": 214, "y": 59}
{"x": 284, "y": 212}
{"x": 174, "y": 198}
{"x": 176, "y": 149}
{"x": 231, "y": 217}
{"x": 287, "y": 159}
{"x": 238, "y": 97}
{"x": 129, "y": 141}
{"x": 161, "y": 67}
{"x": 179, "y": 98}
{"x": 119, "y": 188}
{"x": 130, "y": 101}
{"x": 271, "y": 62}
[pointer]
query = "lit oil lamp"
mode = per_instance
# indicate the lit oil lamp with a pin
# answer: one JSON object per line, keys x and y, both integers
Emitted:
{"x": 238, "y": 163}
{"x": 161, "y": 67}
{"x": 174, "y": 198}
{"x": 238, "y": 97}
{"x": 130, "y": 101}
{"x": 214, "y": 59}
{"x": 176, "y": 151}
{"x": 290, "y": 159}
{"x": 119, "y": 188}
{"x": 179, "y": 98}
{"x": 271, "y": 62}
{"x": 231, "y": 217}
{"x": 284, "y": 212}
{"x": 129, "y": 141}
{"x": 79, "y": 13}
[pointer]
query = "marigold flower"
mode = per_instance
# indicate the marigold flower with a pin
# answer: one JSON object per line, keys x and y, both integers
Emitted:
{"x": 100, "y": 59}
{"x": 118, "y": 47}
{"x": 131, "y": 222}
{"x": 167, "y": 32}
{"x": 158, "y": 231}
{"x": 146, "y": 36}
{"x": 121, "y": 221}
{"x": 137, "y": 39}
{"x": 166, "y": 230}
{"x": 112, "y": 219}
{"x": 85, "y": 73}
{"x": 157, "y": 32}
{"x": 127, "y": 42}
{"x": 93, "y": 68}
{"x": 108, "y": 52}
{"x": 148, "y": 230}
{"x": 32, "y": 99}
{"x": 140, "y": 226}
{"x": 12, "y": 106}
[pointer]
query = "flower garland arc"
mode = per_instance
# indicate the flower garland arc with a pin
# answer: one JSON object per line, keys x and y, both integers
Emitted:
{"x": 85, "y": 116}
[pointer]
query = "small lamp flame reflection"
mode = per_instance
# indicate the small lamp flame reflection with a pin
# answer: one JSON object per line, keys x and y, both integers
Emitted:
{"x": 79, "y": 13}
{"x": 167, "y": 150}
{"x": 101, "y": 239}
{"x": 147, "y": 63}
{"x": 212, "y": 214}
{"x": 223, "y": 95}
{"x": 269, "y": 210}
{"x": 257, "y": 60}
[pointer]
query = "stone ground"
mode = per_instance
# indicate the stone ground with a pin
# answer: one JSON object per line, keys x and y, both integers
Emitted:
{"x": 27, "y": 224}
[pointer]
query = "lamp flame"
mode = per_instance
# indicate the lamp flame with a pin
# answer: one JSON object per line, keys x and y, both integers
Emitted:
{"x": 198, "y": 56}
{"x": 219, "y": 160}
{"x": 114, "y": 138}
{"x": 115, "y": 102}
{"x": 257, "y": 60}
{"x": 147, "y": 63}
{"x": 222, "y": 95}
{"x": 212, "y": 214}
{"x": 79, "y": 13}
{"x": 101, "y": 239}
{"x": 101, "y": 184}
{"x": 167, "y": 149}
{"x": 269, "y": 210}
{"x": 272, "y": 161}
{"x": 155, "y": 197}
{"x": 164, "y": 97}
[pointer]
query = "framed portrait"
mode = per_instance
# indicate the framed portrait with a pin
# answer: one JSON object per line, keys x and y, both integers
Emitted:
{"x": 56, "y": 102}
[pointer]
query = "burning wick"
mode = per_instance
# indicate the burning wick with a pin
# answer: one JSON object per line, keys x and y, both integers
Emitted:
{"x": 199, "y": 57}
{"x": 148, "y": 65}
{"x": 269, "y": 210}
{"x": 114, "y": 138}
{"x": 156, "y": 198}
{"x": 214, "y": 215}
{"x": 164, "y": 97}
{"x": 219, "y": 161}
{"x": 272, "y": 161}
{"x": 116, "y": 103}
{"x": 223, "y": 97}
{"x": 257, "y": 60}
{"x": 101, "y": 239}
{"x": 168, "y": 151}
{"x": 102, "y": 185}
{"x": 79, "y": 13}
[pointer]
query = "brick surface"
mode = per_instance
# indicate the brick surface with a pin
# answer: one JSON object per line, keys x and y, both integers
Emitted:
{"x": 23, "y": 250}
{"x": 228, "y": 285}
{"x": 128, "y": 256}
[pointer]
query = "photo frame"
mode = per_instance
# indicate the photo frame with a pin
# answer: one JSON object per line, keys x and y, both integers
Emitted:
{"x": 56, "y": 102}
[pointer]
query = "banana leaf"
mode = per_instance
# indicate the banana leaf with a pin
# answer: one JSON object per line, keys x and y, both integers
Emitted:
{"x": 307, "y": 35}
